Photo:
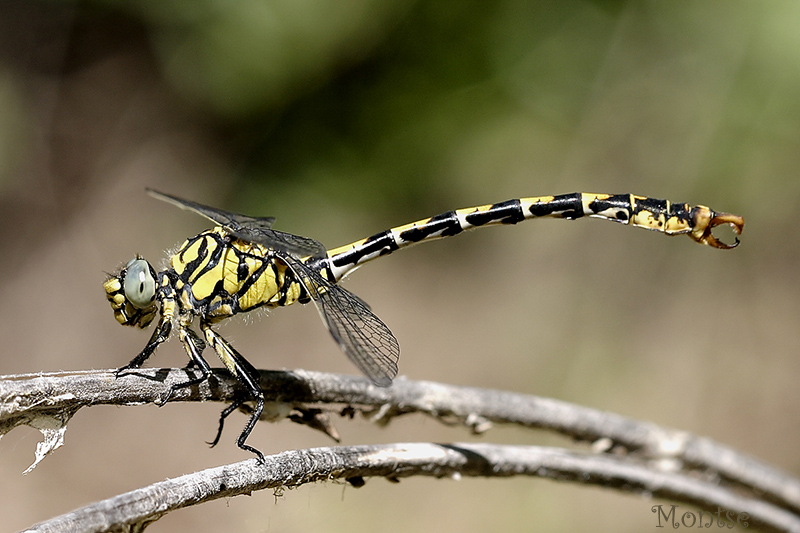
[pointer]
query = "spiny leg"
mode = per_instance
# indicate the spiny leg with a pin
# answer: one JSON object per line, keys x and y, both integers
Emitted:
{"x": 222, "y": 416}
{"x": 166, "y": 298}
{"x": 246, "y": 374}
{"x": 160, "y": 334}
{"x": 194, "y": 346}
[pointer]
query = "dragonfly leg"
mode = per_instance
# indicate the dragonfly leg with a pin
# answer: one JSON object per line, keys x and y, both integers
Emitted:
{"x": 166, "y": 298}
{"x": 223, "y": 415}
{"x": 246, "y": 374}
{"x": 160, "y": 334}
{"x": 194, "y": 346}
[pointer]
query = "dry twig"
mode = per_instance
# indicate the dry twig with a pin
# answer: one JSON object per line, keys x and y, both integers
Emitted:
{"x": 646, "y": 459}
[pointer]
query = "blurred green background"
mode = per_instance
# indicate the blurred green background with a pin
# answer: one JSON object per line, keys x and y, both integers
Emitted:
{"x": 342, "y": 118}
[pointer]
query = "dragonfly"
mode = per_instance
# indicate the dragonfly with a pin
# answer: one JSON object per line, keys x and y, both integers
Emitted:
{"x": 243, "y": 264}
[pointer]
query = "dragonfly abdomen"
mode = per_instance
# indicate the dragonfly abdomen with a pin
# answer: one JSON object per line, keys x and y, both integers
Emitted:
{"x": 640, "y": 211}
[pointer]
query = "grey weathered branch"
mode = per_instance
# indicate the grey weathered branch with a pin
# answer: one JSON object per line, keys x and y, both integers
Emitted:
{"x": 47, "y": 402}
{"x": 134, "y": 510}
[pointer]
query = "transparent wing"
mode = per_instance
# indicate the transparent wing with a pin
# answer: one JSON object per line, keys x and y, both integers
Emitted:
{"x": 280, "y": 240}
{"x": 251, "y": 229}
{"x": 361, "y": 335}
{"x": 227, "y": 219}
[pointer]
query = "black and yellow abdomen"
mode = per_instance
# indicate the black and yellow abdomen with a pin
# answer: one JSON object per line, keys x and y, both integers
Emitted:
{"x": 219, "y": 276}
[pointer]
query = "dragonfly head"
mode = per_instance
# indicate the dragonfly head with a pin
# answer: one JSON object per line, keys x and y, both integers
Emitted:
{"x": 132, "y": 293}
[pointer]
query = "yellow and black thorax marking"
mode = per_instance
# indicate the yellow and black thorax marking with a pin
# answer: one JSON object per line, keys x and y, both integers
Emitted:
{"x": 217, "y": 276}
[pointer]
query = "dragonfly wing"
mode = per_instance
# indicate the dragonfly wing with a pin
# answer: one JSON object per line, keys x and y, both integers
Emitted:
{"x": 361, "y": 335}
{"x": 227, "y": 219}
{"x": 251, "y": 229}
{"x": 288, "y": 243}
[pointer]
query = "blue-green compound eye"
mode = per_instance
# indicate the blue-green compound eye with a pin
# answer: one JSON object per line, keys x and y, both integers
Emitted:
{"x": 139, "y": 285}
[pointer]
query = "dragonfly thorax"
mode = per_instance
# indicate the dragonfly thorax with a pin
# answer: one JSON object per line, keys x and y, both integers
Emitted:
{"x": 217, "y": 275}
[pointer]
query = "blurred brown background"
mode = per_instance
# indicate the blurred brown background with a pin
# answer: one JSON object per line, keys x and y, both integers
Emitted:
{"x": 342, "y": 118}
